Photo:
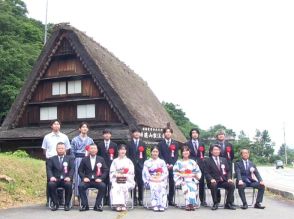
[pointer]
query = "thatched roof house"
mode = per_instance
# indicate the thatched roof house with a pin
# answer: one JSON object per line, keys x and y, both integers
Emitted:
{"x": 76, "y": 79}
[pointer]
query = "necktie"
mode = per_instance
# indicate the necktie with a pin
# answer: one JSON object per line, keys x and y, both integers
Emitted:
{"x": 246, "y": 165}
{"x": 60, "y": 161}
{"x": 168, "y": 143}
{"x": 195, "y": 147}
{"x": 217, "y": 163}
{"x": 107, "y": 145}
{"x": 137, "y": 143}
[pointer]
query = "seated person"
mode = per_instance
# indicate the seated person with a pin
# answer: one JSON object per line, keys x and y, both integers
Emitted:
{"x": 248, "y": 176}
{"x": 218, "y": 175}
{"x": 60, "y": 170}
{"x": 187, "y": 175}
{"x": 93, "y": 171}
{"x": 155, "y": 175}
{"x": 122, "y": 179}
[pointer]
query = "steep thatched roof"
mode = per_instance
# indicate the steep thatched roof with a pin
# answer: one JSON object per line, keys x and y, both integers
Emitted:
{"x": 127, "y": 93}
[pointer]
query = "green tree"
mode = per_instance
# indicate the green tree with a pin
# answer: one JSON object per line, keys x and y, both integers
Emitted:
{"x": 21, "y": 40}
{"x": 180, "y": 118}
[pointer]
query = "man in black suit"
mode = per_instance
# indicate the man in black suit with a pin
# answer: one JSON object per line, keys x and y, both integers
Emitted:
{"x": 108, "y": 150}
{"x": 218, "y": 175}
{"x": 248, "y": 176}
{"x": 168, "y": 151}
{"x": 197, "y": 153}
{"x": 227, "y": 152}
{"x": 60, "y": 171}
{"x": 136, "y": 151}
{"x": 93, "y": 171}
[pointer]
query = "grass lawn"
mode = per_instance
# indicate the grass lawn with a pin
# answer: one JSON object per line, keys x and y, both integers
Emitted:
{"x": 29, "y": 177}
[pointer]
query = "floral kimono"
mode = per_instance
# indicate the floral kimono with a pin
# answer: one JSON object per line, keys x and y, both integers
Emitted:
{"x": 120, "y": 186}
{"x": 78, "y": 150}
{"x": 182, "y": 176}
{"x": 156, "y": 169}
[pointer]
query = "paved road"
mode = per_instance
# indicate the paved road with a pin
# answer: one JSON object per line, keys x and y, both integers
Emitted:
{"x": 276, "y": 208}
{"x": 281, "y": 179}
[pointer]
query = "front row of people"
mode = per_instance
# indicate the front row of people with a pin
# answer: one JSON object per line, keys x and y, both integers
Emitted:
{"x": 93, "y": 171}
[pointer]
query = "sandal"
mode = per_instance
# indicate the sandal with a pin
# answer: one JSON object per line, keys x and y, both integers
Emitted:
{"x": 118, "y": 209}
{"x": 123, "y": 208}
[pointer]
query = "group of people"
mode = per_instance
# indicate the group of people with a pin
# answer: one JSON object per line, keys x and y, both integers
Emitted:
{"x": 115, "y": 170}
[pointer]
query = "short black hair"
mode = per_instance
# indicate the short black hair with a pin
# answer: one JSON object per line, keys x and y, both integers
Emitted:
{"x": 213, "y": 146}
{"x": 53, "y": 121}
{"x": 60, "y": 143}
{"x": 84, "y": 123}
{"x": 194, "y": 129}
{"x": 136, "y": 129}
{"x": 154, "y": 147}
{"x": 121, "y": 146}
{"x": 166, "y": 129}
{"x": 105, "y": 131}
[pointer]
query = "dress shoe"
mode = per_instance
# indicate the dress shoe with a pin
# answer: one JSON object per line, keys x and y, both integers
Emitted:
{"x": 98, "y": 208}
{"x": 54, "y": 207}
{"x": 140, "y": 203}
{"x": 244, "y": 206}
{"x": 230, "y": 206}
{"x": 204, "y": 204}
{"x": 84, "y": 208}
{"x": 171, "y": 203}
{"x": 66, "y": 208}
{"x": 214, "y": 207}
{"x": 259, "y": 206}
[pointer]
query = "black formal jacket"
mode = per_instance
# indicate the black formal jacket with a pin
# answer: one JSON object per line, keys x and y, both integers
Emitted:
{"x": 197, "y": 155}
{"x": 166, "y": 154}
{"x": 105, "y": 154}
{"x": 85, "y": 169}
{"x": 211, "y": 170}
{"x": 245, "y": 175}
{"x": 224, "y": 153}
{"x": 134, "y": 154}
{"x": 54, "y": 169}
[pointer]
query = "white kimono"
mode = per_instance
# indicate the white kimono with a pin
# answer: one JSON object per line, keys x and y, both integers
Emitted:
{"x": 119, "y": 192}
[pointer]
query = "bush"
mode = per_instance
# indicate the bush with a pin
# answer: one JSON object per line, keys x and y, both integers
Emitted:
{"x": 21, "y": 154}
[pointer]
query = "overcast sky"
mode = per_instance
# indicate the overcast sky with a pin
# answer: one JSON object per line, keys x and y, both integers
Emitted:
{"x": 223, "y": 62}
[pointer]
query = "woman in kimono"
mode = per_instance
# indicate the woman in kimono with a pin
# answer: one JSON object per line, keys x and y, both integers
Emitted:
{"x": 186, "y": 174}
{"x": 121, "y": 177}
{"x": 155, "y": 175}
{"x": 79, "y": 150}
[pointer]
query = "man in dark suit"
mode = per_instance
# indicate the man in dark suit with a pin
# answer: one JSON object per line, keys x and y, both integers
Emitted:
{"x": 136, "y": 151}
{"x": 93, "y": 172}
{"x": 197, "y": 153}
{"x": 227, "y": 152}
{"x": 108, "y": 150}
{"x": 168, "y": 151}
{"x": 248, "y": 176}
{"x": 60, "y": 171}
{"x": 218, "y": 175}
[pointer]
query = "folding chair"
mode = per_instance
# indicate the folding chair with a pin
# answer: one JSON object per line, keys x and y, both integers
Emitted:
{"x": 61, "y": 189}
{"x": 91, "y": 200}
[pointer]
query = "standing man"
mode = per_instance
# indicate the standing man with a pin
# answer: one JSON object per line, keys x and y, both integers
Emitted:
{"x": 49, "y": 144}
{"x": 248, "y": 176}
{"x": 136, "y": 151}
{"x": 197, "y": 153}
{"x": 108, "y": 150}
{"x": 168, "y": 151}
{"x": 218, "y": 175}
{"x": 93, "y": 172}
{"x": 60, "y": 170}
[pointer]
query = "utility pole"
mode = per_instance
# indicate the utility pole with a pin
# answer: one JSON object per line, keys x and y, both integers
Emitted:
{"x": 46, "y": 26}
{"x": 286, "y": 158}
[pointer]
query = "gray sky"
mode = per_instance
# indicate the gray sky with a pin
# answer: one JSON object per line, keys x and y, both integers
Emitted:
{"x": 224, "y": 62}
